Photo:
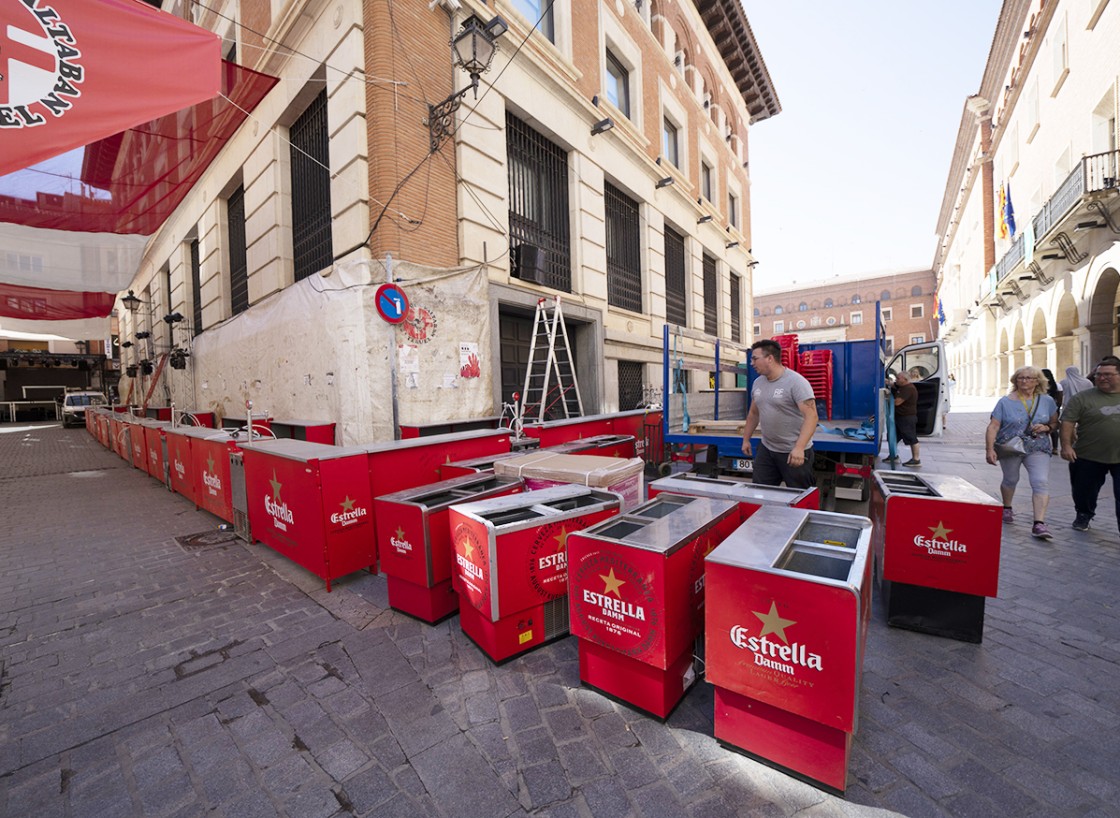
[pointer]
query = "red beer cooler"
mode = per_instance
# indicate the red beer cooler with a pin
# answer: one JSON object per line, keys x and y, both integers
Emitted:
{"x": 788, "y": 604}
{"x": 474, "y": 465}
{"x": 310, "y": 502}
{"x": 154, "y": 431}
{"x": 180, "y": 472}
{"x": 636, "y": 585}
{"x": 207, "y": 477}
{"x": 750, "y": 496}
{"x": 937, "y": 548}
{"x": 414, "y": 540}
{"x": 554, "y": 432}
{"x": 601, "y": 445}
{"x": 404, "y": 464}
{"x": 138, "y": 443}
{"x": 511, "y": 564}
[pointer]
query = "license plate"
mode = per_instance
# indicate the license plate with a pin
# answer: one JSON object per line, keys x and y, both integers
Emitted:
{"x": 741, "y": 464}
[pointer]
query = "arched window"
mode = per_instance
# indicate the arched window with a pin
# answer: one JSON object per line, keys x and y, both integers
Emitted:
{"x": 778, "y": 310}
{"x": 915, "y": 291}
{"x": 757, "y": 312}
{"x": 802, "y": 307}
{"x": 856, "y": 299}
{"x": 885, "y": 295}
{"x": 827, "y": 303}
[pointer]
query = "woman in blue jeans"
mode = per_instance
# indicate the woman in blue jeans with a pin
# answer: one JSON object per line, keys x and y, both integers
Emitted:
{"x": 1030, "y": 414}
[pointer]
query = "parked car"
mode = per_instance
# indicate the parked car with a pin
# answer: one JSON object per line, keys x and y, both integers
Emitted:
{"x": 74, "y": 406}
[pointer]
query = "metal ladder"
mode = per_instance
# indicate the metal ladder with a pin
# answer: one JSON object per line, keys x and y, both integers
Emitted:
{"x": 550, "y": 377}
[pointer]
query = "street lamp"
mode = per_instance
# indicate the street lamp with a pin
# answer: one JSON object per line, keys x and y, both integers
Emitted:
{"x": 131, "y": 302}
{"x": 473, "y": 48}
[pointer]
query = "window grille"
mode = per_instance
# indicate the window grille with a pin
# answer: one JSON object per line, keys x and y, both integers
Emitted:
{"x": 238, "y": 264}
{"x": 624, "y": 251}
{"x": 538, "y": 200}
{"x": 196, "y": 288}
{"x": 736, "y": 309}
{"x": 711, "y": 322}
{"x": 312, "y": 244}
{"x": 629, "y": 385}
{"x": 675, "y": 311}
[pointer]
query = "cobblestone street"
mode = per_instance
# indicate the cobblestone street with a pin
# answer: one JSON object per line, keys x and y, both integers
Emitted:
{"x": 141, "y": 674}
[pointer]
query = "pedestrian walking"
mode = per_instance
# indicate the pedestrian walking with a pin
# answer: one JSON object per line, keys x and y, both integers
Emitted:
{"x": 1054, "y": 390}
{"x": 1073, "y": 383}
{"x": 782, "y": 401}
{"x": 1091, "y": 443}
{"x": 1019, "y": 435}
{"x": 950, "y": 389}
{"x": 906, "y": 416}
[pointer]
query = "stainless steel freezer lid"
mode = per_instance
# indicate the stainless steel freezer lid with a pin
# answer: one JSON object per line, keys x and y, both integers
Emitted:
{"x": 454, "y": 488}
{"x": 202, "y": 432}
{"x": 663, "y": 524}
{"x": 412, "y": 442}
{"x": 534, "y": 507}
{"x": 742, "y": 490}
{"x": 301, "y": 450}
{"x": 818, "y": 546}
{"x": 931, "y": 486}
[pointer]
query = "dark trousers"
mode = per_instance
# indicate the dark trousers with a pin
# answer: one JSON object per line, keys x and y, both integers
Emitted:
{"x": 773, "y": 468}
{"x": 1086, "y": 477}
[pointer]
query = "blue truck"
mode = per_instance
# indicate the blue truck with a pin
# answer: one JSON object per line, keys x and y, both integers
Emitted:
{"x": 706, "y": 425}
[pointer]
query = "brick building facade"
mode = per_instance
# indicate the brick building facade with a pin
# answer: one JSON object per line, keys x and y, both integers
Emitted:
{"x": 833, "y": 310}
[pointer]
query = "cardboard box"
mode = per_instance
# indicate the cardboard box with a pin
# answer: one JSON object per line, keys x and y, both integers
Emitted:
{"x": 544, "y": 469}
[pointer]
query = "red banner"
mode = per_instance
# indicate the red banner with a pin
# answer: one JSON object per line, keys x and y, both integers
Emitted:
{"x": 37, "y": 304}
{"x": 76, "y": 71}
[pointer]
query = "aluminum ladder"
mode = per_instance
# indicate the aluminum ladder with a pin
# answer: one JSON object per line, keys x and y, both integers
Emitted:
{"x": 551, "y": 389}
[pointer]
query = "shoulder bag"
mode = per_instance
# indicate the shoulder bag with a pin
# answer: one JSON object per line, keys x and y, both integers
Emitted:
{"x": 1013, "y": 446}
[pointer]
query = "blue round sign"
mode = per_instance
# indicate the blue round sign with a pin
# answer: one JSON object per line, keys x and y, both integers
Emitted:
{"x": 391, "y": 303}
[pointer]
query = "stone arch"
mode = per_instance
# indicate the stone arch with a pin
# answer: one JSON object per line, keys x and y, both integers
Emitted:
{"x": 1066, "y": 352}
{"x": 1102, "y": 316}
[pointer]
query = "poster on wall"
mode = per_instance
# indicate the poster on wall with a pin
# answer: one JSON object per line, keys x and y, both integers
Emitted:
{"x": 468, "y": 360}
{"x": 408, "y": 359}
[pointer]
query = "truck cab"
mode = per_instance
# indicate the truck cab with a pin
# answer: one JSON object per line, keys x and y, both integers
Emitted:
{"x": 926, "y": 366}
{"x": 74, "y": 405}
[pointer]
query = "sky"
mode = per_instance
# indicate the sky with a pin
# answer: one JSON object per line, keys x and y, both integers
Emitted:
{"x": 847, "y": 180}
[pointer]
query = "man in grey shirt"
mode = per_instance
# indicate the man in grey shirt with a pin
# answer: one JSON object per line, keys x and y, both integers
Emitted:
{"x": 783, "y": 402}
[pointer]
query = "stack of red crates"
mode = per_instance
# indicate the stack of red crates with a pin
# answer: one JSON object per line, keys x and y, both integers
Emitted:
{"x": 788, "y": 343}
{"x": 816, "y": 368}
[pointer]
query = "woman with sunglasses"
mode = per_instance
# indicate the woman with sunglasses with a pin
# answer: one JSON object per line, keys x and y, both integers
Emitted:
{"x": 1028, "y": 414}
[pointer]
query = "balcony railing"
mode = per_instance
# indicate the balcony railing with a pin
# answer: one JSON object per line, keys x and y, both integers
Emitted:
{"x": 1093, "y": 174}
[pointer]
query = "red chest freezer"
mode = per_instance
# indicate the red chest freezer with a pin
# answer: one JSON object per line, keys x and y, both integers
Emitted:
{"x": 155, "y": 432}
{"x": 789, "y": 600}
{"x": 474, "y": 465}
{"x": 511, "y": 564}
{"x": 636, "y": 585}
{"x": 139, "y": 443}
{"x": 601, "y": 445}
{"x": 311, "y": 503}
{"x": 545, "y": 468}
{"x": 313, "y": 431}
{"x": 404, "y": 464}
{"x": 936, "y": 541}
{"x": 554, "y": 432}
{"x": 749, "y": 496}
{"x": 414, "y": 540}
{"x": 207, "y": 474}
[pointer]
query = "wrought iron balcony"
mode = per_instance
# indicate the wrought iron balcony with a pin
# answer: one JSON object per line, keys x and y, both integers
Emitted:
{"x": 1078, "y": 195}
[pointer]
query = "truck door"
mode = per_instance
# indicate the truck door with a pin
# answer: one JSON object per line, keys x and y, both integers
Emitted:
{"x": 925, "y": 364}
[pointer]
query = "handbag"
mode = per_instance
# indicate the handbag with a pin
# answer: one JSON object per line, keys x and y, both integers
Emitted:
{"x": 1013, "y": 446}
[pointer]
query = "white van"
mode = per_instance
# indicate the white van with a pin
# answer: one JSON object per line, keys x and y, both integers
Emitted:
{"x": 74, "y": 406}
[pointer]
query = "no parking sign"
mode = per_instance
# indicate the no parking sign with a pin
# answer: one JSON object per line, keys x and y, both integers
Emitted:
{"x": 391, "y": 303}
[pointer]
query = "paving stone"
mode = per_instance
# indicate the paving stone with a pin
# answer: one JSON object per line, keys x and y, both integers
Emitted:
{"x": 546, "y": 784}
{"x": 460, "y": 781}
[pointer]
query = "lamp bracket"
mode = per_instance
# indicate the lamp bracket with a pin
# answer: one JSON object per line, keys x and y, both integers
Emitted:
{"x": 441, "y": 117}
{"x": 1043, "y": 279}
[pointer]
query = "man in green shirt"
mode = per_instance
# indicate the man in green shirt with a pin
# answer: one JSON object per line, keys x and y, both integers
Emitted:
{"x": 1091, "y": 442}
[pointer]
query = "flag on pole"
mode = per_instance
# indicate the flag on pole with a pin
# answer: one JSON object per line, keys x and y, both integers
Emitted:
{"x": 1001, "y": 211}
{"x": 1009, "y": 212}
{"x": 940, "y": 310}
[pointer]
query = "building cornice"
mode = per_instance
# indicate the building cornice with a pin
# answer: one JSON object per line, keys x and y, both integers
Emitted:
{"x": 727, "y": 24}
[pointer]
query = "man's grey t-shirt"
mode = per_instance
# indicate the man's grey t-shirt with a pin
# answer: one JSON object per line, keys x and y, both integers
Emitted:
{"x": 779, "y": 415}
